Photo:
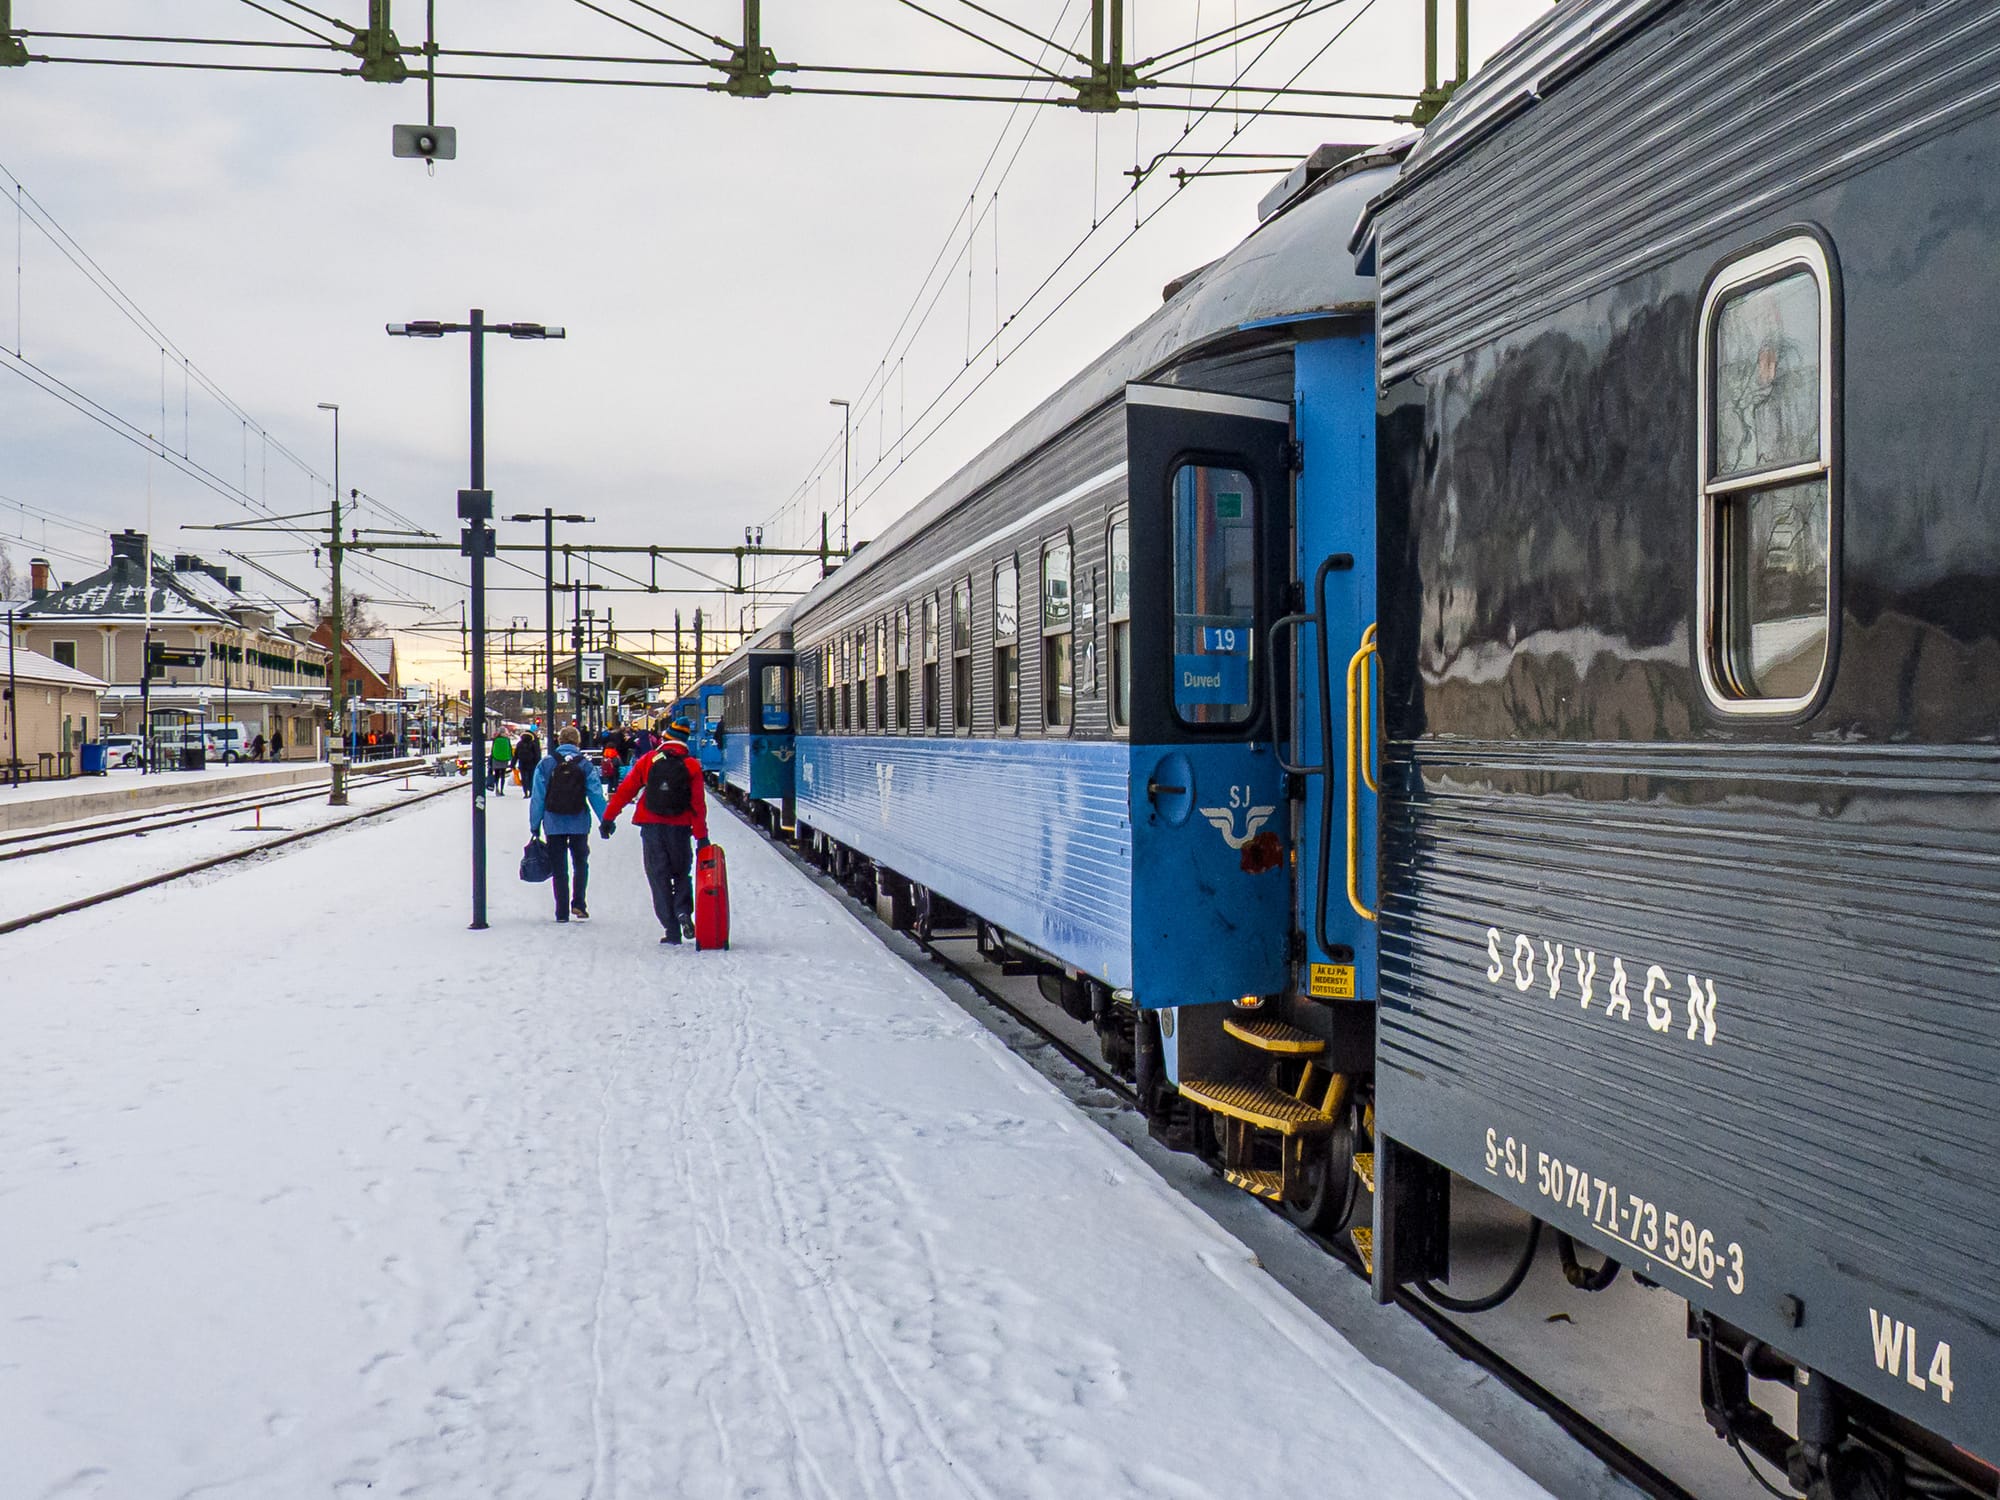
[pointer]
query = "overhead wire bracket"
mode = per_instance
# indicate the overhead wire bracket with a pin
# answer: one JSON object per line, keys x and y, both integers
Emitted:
{"x": 13, "y": 51}
{"x": 751, "y": 67}
{"x": 380, "y": 53}
{"x": 1111, "y": 77}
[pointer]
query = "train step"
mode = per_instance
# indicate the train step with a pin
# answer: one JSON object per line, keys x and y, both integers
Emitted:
{"x": 1260, "y": 1105}
{"x": 1364, "y": 1168}
{"x": 1274, "y": 1036}
{"x": 1269, "y": 1185}
{"x": 1364, "y": 1246}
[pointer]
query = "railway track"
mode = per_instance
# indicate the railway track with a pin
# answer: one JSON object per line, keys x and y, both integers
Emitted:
{"x": 125, "y": 825}
{"x": 265, "y": 846}
{"x": 1609, "y": 1450}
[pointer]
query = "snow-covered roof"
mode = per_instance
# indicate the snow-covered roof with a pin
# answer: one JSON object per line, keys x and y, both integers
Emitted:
{"x": 116, "y": 594}
{"x": 375, "y": 652}
{"x": 32, "y": 666}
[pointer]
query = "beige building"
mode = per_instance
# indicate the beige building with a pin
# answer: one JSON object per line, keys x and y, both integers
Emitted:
{"x": 48, "y": 713}
{"x": 259, "y": 667}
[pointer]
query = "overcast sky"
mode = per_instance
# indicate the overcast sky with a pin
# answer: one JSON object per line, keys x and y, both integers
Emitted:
{"x": 723, "y": 266}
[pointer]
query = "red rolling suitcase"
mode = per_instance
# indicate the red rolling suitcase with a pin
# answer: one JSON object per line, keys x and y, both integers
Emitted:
{"x": 711, "y": 898}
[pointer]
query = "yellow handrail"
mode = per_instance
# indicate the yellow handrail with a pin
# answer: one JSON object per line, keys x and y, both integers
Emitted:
{"x": 1368, "y": 712}
{"x": 1360, "y": 721}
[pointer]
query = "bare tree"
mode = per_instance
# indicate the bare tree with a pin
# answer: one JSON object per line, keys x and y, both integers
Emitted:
{"x": 13, "y": 584}
{"x": 358, "y": 618}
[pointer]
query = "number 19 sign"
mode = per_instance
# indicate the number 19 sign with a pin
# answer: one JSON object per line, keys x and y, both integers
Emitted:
{"x": 1228, "y": 640}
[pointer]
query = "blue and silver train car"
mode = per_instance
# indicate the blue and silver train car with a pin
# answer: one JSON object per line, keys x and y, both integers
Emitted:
{"x": 1689, "y": 883}
{"x": 755, "y": 738}
{"x": 705, "y": 728}
{"x": 1057, "y": 696}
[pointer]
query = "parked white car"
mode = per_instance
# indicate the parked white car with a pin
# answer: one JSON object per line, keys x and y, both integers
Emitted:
{"x": 227, "y": 743}
{"x": 122, "y": 750}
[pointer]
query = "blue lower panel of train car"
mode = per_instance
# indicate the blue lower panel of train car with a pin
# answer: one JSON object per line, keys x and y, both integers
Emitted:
{"x": 1033, "y": 835}
{"x": 758, "y": 765}
{"x": 1210, "y": 901}
{"x": 1041, "y": 837}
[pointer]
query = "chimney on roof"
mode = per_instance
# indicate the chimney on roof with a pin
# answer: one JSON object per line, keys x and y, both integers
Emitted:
{"x": 183, "y": 563}
{"x": 128, "y": 555}
{"x": 40, "y": 582}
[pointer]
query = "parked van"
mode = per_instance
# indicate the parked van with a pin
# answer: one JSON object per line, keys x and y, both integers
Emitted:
{"x": 227, "y": 743}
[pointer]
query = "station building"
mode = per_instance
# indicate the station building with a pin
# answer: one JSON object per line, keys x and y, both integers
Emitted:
{"x": 259, "y": 668}
{"x": 48, "y": 713}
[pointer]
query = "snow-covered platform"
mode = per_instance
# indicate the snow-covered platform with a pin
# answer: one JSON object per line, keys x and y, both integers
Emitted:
{"x": 311, "y": 1191}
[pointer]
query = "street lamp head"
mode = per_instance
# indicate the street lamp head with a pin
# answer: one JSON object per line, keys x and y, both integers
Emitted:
{"x": 329, "y": 406}
{"x": 429, "y": 328}
{"x": 836, "y": 401}
{"x": 530, "y": 331}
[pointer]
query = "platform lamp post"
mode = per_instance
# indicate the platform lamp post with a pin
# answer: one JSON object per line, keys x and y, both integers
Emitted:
{"x": 477, "y": 542}
{"x": 548, "y": 518}
{"x": 846, "y": 435}
{"x": 336, "y": 717}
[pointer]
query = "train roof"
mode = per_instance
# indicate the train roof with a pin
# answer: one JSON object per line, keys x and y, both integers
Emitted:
{"x": 1291, "y": 268}
{"x": 1538, "y": 61}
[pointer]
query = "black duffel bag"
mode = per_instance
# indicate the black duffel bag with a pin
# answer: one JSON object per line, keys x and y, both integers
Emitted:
{"x": 536, "y": 863}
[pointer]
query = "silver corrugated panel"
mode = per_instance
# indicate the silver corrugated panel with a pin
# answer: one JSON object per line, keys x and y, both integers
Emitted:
{"x": 1520, "y": 72}
{"x": 1710, "y": 120}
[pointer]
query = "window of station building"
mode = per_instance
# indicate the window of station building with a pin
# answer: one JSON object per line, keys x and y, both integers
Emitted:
{"x": 775, "y": 710}
{"x": 930, "y": 663}
{"x": 1119, "y": 549}
{"x": 961, "y": 656}
{"x": 1058, "y": 633}
{"x": 1006, "y": 645}
{"x": 1215, "y": 593}
{"x": 903, "y": 669}
{"x": 1767, "y": 535}
{"x": 881, "y": 674}
{"x": 63, "y": 653}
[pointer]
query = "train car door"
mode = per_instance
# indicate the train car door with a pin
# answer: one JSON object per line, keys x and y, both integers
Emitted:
{"x": 1210, "y": 487}
{"x": 1334, "y": 589}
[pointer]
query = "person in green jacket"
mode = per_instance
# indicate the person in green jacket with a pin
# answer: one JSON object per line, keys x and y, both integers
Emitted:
{"x": 502, "y": 761}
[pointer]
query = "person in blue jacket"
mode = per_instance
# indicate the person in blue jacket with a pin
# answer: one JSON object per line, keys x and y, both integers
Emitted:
{"x": 568, "y": 797}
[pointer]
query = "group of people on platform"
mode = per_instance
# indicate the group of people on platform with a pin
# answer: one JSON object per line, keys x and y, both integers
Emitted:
{"x": 650, "y": 772}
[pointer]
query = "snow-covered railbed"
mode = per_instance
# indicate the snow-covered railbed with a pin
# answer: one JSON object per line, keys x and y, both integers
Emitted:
{"x": 309, "y": 1190}
{"x": 38, "y": 881}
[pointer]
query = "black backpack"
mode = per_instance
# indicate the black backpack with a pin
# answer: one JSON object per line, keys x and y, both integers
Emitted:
{"x": 568, "y": 783}
{"x": 669, "y": 789}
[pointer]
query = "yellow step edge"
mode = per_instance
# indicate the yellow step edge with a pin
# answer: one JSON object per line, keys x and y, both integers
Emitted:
{"x": 1264, "y": 1184}
{"x": 1364, "y": 1168}
{"x": 1258, "y": 1104}
{"x": 1364, "y": 1246}
{"x": 1274, "y": 1036}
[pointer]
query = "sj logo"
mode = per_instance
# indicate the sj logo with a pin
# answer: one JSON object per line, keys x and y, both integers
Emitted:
{"x": 885, "y": 783}
{"x": 1224, "y": 818}
{"x": 783, "y": 753}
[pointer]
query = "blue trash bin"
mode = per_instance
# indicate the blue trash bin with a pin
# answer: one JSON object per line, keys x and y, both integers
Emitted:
{"x": 93, "y": 760}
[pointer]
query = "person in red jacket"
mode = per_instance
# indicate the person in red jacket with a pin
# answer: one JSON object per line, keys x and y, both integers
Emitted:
{"x": 671, "y": 810}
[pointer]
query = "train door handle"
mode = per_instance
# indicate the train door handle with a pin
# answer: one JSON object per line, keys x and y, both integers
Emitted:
{"x": 1156, "y": 789}
{"x": 1284, "y": 622}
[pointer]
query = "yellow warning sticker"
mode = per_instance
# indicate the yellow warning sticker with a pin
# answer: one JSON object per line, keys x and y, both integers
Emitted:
{"x": 1332, "y": 982}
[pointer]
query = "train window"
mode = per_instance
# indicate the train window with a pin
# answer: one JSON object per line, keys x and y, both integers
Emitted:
{"x": 931, "y": 663}
{"x": 903, "y": 669}
{"x": 1058, "y": 626}
{"x": 1766, "y": 565}
{"x": 776, "y": 708}
{"x": 961, "y": 656}
{"x": 1215, "y": 593}
{"x": 881, "y": 674}
{"x": 1120, "y": 549}
{"x": 825, "y": 688}
{"x": 1006, "y": 645}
